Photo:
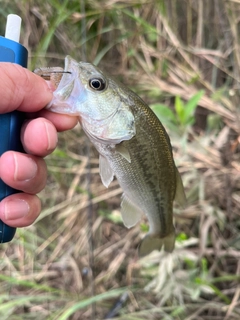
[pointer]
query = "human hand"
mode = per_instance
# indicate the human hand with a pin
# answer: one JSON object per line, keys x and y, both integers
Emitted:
{"x": 22, "y": 90}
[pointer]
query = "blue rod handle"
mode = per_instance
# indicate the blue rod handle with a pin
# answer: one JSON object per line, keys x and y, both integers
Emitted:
{"x": 10, "y": 125}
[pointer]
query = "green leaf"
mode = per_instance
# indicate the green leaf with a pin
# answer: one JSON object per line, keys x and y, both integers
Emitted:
{"x": 144, "y": 227}
{"x": 29, "y": 284}
{"x": 20, "y": 301}
{"x": 60, "y": 153}
{"x": 181, "y": 237}
{"x": 165, "y": 68}
{"x": 191, "y": 105}
{"x": 179, "y": 107}
{"x": 86, "y": 302}
{"x": 163, "y": 111}
{"x": 165, "y": 115}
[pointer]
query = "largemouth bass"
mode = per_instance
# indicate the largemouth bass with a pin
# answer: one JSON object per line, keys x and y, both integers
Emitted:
{"x": 132, "y": 143}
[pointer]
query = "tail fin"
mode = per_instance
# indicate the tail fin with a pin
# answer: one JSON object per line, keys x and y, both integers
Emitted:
{"x": 151, "y": 242}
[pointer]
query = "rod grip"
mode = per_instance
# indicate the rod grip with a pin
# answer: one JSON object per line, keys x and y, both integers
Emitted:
{"x": 10, "y": 123}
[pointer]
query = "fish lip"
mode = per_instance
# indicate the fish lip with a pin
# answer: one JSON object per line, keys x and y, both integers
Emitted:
{"x": 67, "y": 62}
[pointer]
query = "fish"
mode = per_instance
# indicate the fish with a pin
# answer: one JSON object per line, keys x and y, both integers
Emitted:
{"x": 132, "y": 143}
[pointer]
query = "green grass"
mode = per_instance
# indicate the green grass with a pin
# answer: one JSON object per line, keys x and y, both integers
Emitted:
{"x": 181, "y": 57}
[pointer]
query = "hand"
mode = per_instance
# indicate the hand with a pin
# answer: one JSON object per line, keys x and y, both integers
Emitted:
{"x": 23, "y": 90}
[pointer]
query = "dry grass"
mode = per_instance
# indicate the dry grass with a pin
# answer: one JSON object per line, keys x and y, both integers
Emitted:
{"x": 162, "y": 49}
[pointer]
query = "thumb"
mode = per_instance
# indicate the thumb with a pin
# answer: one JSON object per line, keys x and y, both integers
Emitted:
{"x": 21, "y": 89}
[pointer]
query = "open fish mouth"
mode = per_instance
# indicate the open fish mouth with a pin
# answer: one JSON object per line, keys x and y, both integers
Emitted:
{"x": 68, "y": 92}
{"x": 56, "y": 75}
{"x": 63, "y": 83}
{"x": 62, "y": 78}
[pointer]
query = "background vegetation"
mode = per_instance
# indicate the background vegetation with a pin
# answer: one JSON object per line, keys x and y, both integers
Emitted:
{"x": 79, "y": 261}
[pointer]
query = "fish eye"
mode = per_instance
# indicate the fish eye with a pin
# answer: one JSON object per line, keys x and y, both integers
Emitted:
{"x": 97, "y": 84}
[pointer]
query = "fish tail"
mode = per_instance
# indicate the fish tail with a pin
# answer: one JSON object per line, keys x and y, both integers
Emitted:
{"x": 152, "y": 242}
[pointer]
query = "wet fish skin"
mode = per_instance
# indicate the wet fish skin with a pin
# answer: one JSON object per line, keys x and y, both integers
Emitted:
{"x": 133, "y": 145}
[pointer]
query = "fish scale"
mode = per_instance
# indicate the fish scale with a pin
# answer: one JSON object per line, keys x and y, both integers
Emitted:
{"x": 133, "y": 146}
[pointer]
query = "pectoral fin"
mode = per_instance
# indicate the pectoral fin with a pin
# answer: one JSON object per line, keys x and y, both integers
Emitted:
{"x": 131, "y": 214}
{"x": 123, "y": 151}
{"x": 180, "y": 196}
{"x": 106, "y": 172}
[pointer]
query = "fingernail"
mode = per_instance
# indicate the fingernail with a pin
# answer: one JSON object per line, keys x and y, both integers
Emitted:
{"x": 24, "y": 172}
{"x": 14, "y": 209}
{"x": 50, "y": 85}
{"x": 51, "y": 142}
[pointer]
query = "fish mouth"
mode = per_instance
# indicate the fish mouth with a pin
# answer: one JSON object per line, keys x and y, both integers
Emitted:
{"x": 65, "y": 88}
{"x": 55, "y": 75}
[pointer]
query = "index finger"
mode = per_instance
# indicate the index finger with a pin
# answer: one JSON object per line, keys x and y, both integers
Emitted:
{"x": 21, "y": 89}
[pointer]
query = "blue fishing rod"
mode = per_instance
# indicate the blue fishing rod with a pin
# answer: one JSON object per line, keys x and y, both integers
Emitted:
{"x": 10, "y": 123}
